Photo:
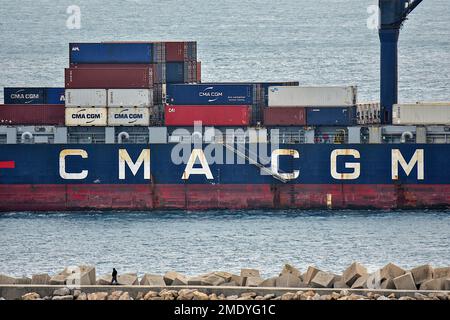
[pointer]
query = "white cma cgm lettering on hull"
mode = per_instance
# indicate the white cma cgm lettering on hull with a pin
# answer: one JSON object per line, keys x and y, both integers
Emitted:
{"x": 124, "y": 158}
{"x": 397, "y": 160}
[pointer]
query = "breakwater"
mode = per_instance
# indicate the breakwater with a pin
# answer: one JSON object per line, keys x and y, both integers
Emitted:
{"x": 355, "y": 282}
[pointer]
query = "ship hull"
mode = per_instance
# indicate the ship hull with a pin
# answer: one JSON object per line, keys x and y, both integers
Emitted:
{"x": 115, "y": 177}
{"x": 202, "y": 197}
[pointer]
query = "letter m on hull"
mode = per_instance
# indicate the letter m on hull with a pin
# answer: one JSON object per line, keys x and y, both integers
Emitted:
{"x": 416, "y": 160}
{"x": 143, "y": 159}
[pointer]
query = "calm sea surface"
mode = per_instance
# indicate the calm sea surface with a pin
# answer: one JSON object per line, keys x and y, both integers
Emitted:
{"x": 312, "y": 41}
{"x": 194, "y": 243}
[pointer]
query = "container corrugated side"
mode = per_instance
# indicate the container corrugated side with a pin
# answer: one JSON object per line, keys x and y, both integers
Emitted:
{"x": 180, "y": 51}
{"x": 217, "y": 116}
{"x": 422, "y": 114}
{"x": 312, "y": 96}
{"x": 285, "y": 116}
{"x": 210, "y": 94}
{"x": 158, "y": 69}
{"x": 128, "y": 116}
{"x": 17, "y": 114}
{"x": 86, "y": 117}
{"x": 142, "y": 98}
{"x": 331, "y": 116}
{"x": 114, "y": 78}
{"x": 86, "y": 98}
{"x": 111, "y": 53}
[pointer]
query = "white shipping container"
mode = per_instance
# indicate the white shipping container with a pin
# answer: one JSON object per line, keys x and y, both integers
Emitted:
{"x": 291, "y": 96}
{"x": 422, "y": 113}
{"x": 86, "y": 98}
{"x": 142, "y": 98}
{"x": 129, "y": 117}
{"x": 86, "y": 117}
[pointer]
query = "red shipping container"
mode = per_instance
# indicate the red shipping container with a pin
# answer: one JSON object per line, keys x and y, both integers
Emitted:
{"x": 153, "y": 68}
{"x": 208, "y": 115}
{"x": 25, "y": 114}
{"x": 109, "y": 78}
{"x": 176, "y": 51}
{"x": 285, "y": 116}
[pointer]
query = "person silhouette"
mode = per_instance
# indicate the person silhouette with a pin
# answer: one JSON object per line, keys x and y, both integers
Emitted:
{"x": 114, "y": 277}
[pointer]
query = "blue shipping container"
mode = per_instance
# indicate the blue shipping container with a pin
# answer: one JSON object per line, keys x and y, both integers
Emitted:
{"x": 54, "y": 96}
{"x": 210, "y": 94}
{"x": 111, "y": 53}
{"x": 175, "y": 72}
{"x": 34, "y": 95}
{"x": 334, "y": 116}
{"x": 24, "y": 95}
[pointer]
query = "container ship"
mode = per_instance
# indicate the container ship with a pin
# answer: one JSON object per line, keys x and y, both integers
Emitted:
{"x": 135, "y": 128}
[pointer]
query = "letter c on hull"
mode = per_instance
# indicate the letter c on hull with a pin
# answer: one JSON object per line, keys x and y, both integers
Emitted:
{"x": 62, "y": 164}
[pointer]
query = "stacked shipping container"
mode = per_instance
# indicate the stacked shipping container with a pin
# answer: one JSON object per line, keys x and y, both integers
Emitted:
{"x": 320, "y": 106}
{"x": 133, "y": 65}
{"x": 226, "y": 95}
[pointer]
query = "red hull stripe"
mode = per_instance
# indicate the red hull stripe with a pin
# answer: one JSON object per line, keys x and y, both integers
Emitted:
{"x": 7, "y": 165}
{"x": 239, "y": 196}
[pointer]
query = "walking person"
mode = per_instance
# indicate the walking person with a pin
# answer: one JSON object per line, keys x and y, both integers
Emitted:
{"x": 114, "y": 277}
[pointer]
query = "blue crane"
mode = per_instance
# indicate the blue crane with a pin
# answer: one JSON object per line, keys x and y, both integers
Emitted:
{"x": 392, "y": 15}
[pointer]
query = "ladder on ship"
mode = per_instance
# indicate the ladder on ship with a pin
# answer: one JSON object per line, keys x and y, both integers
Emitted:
{"x": 253, "y": 161}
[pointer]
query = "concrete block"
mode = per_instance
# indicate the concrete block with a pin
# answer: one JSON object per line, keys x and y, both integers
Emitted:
{"x": 4, "y": 279}
{"x": 197, "y": 281}
{"x": 422, "y": 274}
{"x": 225, "y": 275}
{"x": 405, "y": 282}
{"x": 104, "y": 280}
{"x": 340, "y": 284}
{"x": 59, "y": 279}
{"x": 23, "y": 280}
{"x": 447, "y": 284}
{"x": 292, "y": 270}
{"x": 322, "y": 280}
{"x": 89, "y": 272}
{"x": 353, "y": 272}
{"x": 433, "y": 284}
{"x": 288, "y": 281}
{"x": 388, "y": 284}
{"x": 180, "y": 281}
{"x": 170, "y": 276}
{"x": 441, "y": 273}
{"x": 253, "y": 281}
{"x": 153, "y": 280}
{"x": 361, "y": 282}
{"x": 128, "y": 279}
{"x": 310, "y": 274}
{"x": 391, "y": 271}
{"x": 270, "y": 283}
{"x": 237, "y": 279}
{"x": 214, "y": 280}
{"x": 82, "y": 279}
{"x": 40, "y": 279}
{"x": 245, "y": 273}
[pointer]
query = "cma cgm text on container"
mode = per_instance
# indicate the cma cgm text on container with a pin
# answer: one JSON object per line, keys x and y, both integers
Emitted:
{"x": 204, "y": 94}
{"x": 30, "y": 95}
